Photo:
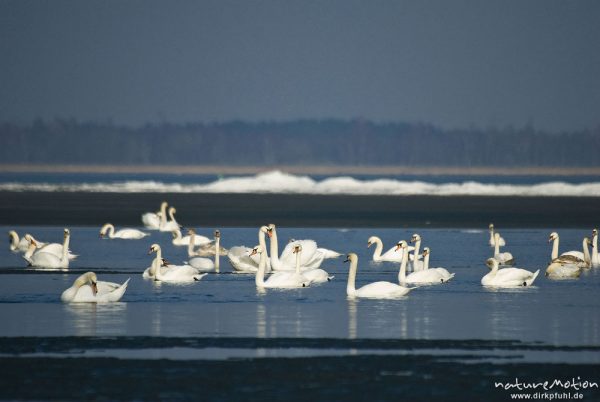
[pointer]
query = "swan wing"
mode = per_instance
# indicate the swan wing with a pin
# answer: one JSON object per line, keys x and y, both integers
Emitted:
{"x": 308, "y": 257}
{"x": 429, "y": 276}
{"x": 151, "y": 220}
{"x": 317, "y": 275}
{"x": 328, "y": 253}
{"x": 201, "y": 263}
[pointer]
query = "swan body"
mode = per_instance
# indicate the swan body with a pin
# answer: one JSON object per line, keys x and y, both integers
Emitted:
{"x": 197, "y": 240}
{"x": 595, "y": 256}
{"x": 44, "y": 259}
{"x": 168, "y": 225}
{"x": 151, "y": 220}
{"x": 171, "y": 273}
{"x": 505, "y": 258}
{"x": 316, "y": 275}
{"x": 562, "y": 270}
{"x": 507, "y": 277}
{"x": 311, "y": 257}
{"x": 279, "y": 280}
{"x": 428, "y": 276}
{"x": 492, "y": 234}
{"x": 125, "y": 233}
{"x": 375, "y": 290}
{"x": 88, "y": 289}
{"x": 206, "y": 264}
{"x": 580, "y": 258}
{"x": 393, "y": 254}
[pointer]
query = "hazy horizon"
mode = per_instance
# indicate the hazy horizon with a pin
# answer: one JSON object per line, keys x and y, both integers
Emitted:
{"x": 450, "y": 64}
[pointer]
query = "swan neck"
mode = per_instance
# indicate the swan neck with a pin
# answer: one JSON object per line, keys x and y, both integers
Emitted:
{"x": 30, "y": 251}
{"x": 14, "y": 241}
{"x": 275, "y": 263}
{"x": 157, "y": 263}
{"x": 426, "y": 262}
{"x": 217, "y": 247}
{"x": 111, "y": 231}
{"x": 415, "y": 254}
{"x": 378, "y": 248}
{"x": 163, "y": 215}
{"x": 496, "y": 246}
{"x": 191, "y": 252}
{"x": 65, "y": 250}
{"x": 586, "y": 253}
{"x": 554, "y": 249}
{"x": 298, "y": 262}
{"x": 492, "y": 241}
{"x": 351, "y": 287}
{"x": 402, "y": 272}
{"x": 595, "y": 247}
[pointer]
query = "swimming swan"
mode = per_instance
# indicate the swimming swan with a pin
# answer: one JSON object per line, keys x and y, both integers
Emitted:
{"x": 151, "y": 220}
{"x": 51, "y": 248}
{"x": 125, "y": 233}
{"x": 170, "y": 225}
{"x": 311, "y": 257}
{"x": 507, "y": 277}
{"x": 393, "y": 254}
{"x": 88, "y": 289}
{"x": 579, "y": 258}
{"x": 179, "y": 240}
{"x": 505, "y": 258}
{"x": 502, "y": 242}
{"x": 206, "y": 264}
{"x": 171, "y": 273}
{"x": 426, "y": 276}
{"x": 279, "y": 280}
{"x": 43, "y": 259}
{"x": 316, "y": 275}
{"x": 375, "y": 290}
{"x": 243, "y": 260}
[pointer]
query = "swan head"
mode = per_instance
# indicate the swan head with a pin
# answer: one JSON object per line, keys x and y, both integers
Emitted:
{"x": 402, "y": 244}
{"x": 415, "y": 238}
{"x": 425, "y": 252}
{"x": 588, "y": 241}
{"x": 104, "y": 229}
{"x": 553, "y": 236}
{"x": 497, "y": 236}
{"x": 89, "y": 278}
{"x": 189, "y": 232}
{"x": 491, "y": 263}
{"x": 67, "y": 233}
{"x": 351, "y": 257}
{"x": 491, "y": 226}
{"x": 12, "y": 234}
{"x": 164, "y": 262}
{"x": 164, "y": 204}
{"x": 371, "y": 241}
{"x": 172, "y": 210}
{"x": 270, "y": 229}
{"x": 217, "y": 234}
{"x": 28, "y": 237}
{"x": 297, "y": 248}
{"x": 257, "y": 250}
{"x": 154, "y": 248}
{"x": 594, "y": 232}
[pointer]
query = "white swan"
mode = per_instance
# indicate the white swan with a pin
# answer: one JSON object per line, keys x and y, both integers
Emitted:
{"x": 393, "y": 254}
{"x": 316, "y": 275}
{"x": 505, "y": 258}
{"x": 595, "y": 255}
{"x": 206, "y": 264}
{"x": 417, "y": 264}
{"x": 88, "y": 289}
{"x": 579, "y": 258}
{"x": 507, "y": 277}
{"x": 502, "y": 242}
{"x": 21, "y": 245}
{"x": 243, "y": 260}
{"x": 327, "y": 253}
{"x": 567, "y": 265}
{"x": 311, "y": 258}
{"x": 171, "y": 273}
{"x": 375, "y": 290}
{"x": 279, "y": 280}
{"x": 151, "y": 220}
{"x": 42, "y": 259}
{"x": 168, "y": 225}
{"x": 125, "y": 233}
{"x": 51, "y": 248}
{"x": 179, "y": 240}
{"x": 426, "y": 276}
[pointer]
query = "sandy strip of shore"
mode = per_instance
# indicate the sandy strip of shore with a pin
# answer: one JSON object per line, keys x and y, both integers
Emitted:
{"x": 252, "y": 210}
{"x": 307, "y": 170}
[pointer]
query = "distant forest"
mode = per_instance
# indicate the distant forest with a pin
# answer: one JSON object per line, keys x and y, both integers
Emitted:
{"x": 302, "y": 142}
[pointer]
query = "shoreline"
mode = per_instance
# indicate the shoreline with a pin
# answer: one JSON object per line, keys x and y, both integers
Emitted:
{"x": 296, "y": 210}
{"x": 304, "y": 170}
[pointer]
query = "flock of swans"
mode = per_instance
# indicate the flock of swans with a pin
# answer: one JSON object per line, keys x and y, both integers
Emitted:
{"x": 297, "y": 266}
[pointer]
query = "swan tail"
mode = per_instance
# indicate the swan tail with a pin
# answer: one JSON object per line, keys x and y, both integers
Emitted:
{"x": 535, "y": 274}
{"x": 199, "y": 276}
{"x": 330, "y": 277}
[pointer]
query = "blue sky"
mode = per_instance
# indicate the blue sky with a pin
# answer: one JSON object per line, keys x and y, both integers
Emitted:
{"x": 450, "y": 63}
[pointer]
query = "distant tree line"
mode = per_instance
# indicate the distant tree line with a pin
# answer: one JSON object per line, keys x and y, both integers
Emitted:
{"x": 302, "y": 142}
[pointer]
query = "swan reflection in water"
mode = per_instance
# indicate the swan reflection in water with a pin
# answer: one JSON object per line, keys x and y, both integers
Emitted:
{"x": 93, "y": 319}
